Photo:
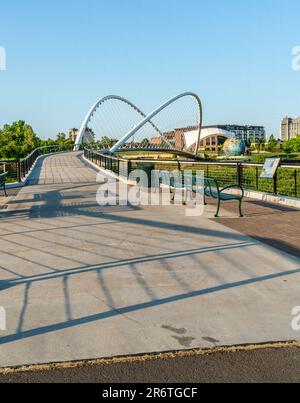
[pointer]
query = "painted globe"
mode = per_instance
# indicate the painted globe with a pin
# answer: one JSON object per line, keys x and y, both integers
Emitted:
{"x": 234, "y": 147}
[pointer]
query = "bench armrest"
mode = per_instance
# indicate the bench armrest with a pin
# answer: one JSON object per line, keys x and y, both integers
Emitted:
{"x": 234, "y": 187}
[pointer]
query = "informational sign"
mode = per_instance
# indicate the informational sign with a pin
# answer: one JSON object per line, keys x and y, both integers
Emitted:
{"x": 270, "y": 168}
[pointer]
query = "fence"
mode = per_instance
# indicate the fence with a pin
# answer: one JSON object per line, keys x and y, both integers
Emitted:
{"x": 119, "y": 166}
{"x": 18, "y": 169}
{"x": 285, "y": 183}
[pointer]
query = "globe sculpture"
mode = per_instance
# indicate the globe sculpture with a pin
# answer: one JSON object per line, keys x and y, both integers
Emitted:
{"x": 234, "y": 147}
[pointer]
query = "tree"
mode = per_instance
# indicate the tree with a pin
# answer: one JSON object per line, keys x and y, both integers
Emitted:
{"x": 47, "y": 143}
{"x": 248, "y": 143}
{"x": 292, "y": 145}
{"x": 105, "y": 142}
{"x": 61, "y": 138}
{"x": 17, "y": 140}
{"x": 262, "y": 147}
{"x": 145, "y": 143}
{"x": 272, "y": 144}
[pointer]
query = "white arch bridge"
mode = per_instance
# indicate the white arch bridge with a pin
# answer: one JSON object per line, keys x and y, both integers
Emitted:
{"x": 115, "y": 124}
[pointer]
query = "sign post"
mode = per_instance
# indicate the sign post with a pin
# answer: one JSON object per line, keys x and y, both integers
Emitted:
{"x": 270, "y": 169}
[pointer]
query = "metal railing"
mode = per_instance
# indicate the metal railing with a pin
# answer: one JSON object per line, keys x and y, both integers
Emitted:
{"x": 12, "y": 168}
{"x": 18, "y": 169}
{"x": 286, "y": 182}
{"x": 119, "y": 166}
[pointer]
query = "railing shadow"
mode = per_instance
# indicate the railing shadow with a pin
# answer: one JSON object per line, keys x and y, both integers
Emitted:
{"x": 138, "y": 307}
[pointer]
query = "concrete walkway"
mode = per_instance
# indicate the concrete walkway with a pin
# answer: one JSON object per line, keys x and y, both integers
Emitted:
{"x": 80, "y": 281}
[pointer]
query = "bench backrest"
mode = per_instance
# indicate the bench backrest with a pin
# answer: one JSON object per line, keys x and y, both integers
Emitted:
{"x": 169, "y": 179}
{"x": 211, "y": 188}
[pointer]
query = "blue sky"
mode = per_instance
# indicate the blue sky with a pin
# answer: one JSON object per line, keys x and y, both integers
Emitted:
{"x": 64, "y": 55}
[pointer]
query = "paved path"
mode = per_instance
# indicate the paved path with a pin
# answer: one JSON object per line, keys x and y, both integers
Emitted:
{"x": 275, "y": 225}
{"x": 61, "y": 169}
{"x": 81, "y": 281}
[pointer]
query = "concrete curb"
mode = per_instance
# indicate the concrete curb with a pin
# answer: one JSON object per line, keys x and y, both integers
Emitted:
{"x": 269, "y": 198}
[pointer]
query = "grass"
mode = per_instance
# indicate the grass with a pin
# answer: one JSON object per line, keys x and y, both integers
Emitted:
{"x": 288, "y": 179}
{"x": 11, "y": 180}
{"x": 261, "y": 158}
{"x": 132, "y": 154}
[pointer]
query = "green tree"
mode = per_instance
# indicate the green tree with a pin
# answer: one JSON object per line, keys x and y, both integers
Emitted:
{"x": 61, "y": 138}
{"x": 107, "y": 142}
{"x": 17, "y": 140}
{"x": 292, "y": 145}
{"x": 248, "y": 143}
{"x": 263, "y": 147}
{"x": 145, "y": 143}
{"x": 272, "y": 144}
{"x": 47, "y": 143}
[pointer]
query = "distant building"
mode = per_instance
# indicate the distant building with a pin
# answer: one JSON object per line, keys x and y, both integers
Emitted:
{"x": 73, "y": 134}
{"x": 252, "y": 134}
{"x": 290, "y": 128}
{"x": 89, "y": 136}
{"x": 212, "y": 137}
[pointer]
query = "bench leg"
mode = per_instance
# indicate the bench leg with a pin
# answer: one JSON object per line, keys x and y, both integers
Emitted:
{"x": 218, "y": 209}
{"x": 172, "y": 192}
{"x": 240, "y": 209}
{"x": 184, "y": 195}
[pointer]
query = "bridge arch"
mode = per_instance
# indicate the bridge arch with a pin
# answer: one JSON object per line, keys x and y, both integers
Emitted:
{"x": 84, "y": 126}
{"x": 165, "y": 139}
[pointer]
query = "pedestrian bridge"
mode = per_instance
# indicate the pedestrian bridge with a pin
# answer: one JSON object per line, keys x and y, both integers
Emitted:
{"x": 117, "y": 124}
{"x": 79, "y": 281}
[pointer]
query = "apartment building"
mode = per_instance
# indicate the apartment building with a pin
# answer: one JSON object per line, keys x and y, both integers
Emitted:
{"x": 290, "y": 128}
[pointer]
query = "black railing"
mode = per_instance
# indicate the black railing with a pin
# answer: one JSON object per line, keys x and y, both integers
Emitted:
{"x": 12, "y": 168}
{"x": 285, "y": 183}
{"x": 18, "y": 170}
{"x": 119, "y": 166}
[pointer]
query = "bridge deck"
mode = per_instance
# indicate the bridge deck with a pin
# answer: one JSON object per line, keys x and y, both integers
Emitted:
{"x": 82, "y": 281}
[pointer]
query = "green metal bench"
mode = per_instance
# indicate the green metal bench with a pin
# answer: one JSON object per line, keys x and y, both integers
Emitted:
{"x": 212, "y": 189}
{"x": 3, "y": 178}
{"x": 177, "y": 182}
{"x": 174, "y": 183}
